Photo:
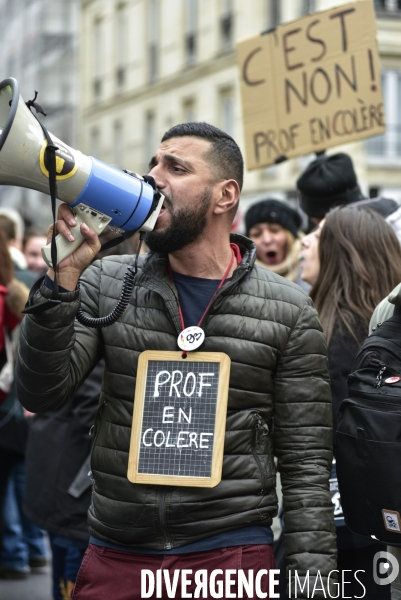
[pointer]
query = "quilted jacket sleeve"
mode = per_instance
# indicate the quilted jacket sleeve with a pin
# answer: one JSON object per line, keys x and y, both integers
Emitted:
{"x": 303, "y": 433}
{"x": 56, "y": 353}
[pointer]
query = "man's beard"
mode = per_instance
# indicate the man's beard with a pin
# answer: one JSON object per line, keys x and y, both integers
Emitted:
{"x": 186, "y": 226}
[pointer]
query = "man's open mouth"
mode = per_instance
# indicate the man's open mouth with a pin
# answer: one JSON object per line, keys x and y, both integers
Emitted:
{"x": 163, "y": 209}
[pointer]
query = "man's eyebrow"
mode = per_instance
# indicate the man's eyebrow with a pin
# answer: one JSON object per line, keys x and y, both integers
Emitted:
{"x": 177, "y": 159}
{"x": 171, "y": 158}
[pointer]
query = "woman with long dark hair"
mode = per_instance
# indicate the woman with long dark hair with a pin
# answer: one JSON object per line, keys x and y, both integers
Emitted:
{"x": 352, "y": 260}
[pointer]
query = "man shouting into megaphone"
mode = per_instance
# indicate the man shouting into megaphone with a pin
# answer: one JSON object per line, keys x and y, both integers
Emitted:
{"x": 195, "y": 275}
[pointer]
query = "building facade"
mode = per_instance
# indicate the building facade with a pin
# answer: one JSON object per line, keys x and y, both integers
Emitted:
{"x": 146, "y": 65}
{"x": 38, "y": 46}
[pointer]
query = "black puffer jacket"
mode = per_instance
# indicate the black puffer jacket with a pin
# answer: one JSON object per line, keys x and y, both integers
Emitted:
{"x": 271, "y": 332}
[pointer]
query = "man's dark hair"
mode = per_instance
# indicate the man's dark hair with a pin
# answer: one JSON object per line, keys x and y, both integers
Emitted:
{"x": 224, "y": 155}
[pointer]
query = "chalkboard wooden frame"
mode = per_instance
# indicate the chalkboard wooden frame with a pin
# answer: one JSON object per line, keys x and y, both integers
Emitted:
{"x": 219, "y": 423}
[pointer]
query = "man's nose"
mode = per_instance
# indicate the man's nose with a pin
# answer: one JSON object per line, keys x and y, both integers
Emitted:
{"x": 156, "y": 173}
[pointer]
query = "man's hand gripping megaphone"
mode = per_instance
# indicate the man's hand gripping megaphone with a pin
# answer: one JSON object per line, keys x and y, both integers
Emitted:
{"x": 81, "y": 243}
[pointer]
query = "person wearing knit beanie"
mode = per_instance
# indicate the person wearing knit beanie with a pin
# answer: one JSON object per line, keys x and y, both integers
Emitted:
{"x": 274, "y": 228}
{"x": 327, "y": 181}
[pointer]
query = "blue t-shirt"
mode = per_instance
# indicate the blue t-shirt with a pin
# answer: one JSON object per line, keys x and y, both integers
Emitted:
{"x": 194, "y": 294}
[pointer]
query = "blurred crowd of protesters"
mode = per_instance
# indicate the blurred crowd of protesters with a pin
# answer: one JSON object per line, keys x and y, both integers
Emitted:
{"x": 44, "y": 482}
{"x": 23, "y": 545}
{"x": 348, "y": 264}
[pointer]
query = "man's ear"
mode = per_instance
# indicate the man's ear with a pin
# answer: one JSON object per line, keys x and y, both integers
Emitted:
{"x": 229, "y": 194}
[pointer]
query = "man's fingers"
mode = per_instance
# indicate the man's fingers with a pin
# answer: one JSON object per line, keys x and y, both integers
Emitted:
{"x": 65, "y": 214}
{"x": 65, "y": 230}
{"x": 90, "y": 236}
{"x": 65, "y": 221}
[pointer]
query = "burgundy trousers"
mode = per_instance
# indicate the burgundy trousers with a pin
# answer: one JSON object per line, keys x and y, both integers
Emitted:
{"x": 107, "y": 574}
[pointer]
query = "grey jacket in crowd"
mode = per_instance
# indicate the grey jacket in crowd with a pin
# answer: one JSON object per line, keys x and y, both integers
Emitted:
{"x": 272, "y": 334}
{"x": 385, "y": 309}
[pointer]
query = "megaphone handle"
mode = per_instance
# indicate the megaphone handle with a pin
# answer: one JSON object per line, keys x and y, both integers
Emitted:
{"x": 82, "y": 214}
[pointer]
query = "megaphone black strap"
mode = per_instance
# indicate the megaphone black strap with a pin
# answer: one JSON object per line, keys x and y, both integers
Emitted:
{"x": 117, "y": 240}
{"x": 35, "y": 105}
{"x": 50, "y": 152}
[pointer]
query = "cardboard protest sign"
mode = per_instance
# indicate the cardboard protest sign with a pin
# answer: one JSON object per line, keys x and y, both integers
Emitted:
{"x": 311, "y": 84}
{"x": 179, "y": 418}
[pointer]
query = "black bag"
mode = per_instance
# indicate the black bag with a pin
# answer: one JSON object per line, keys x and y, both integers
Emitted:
{"x": 368, "y": 438}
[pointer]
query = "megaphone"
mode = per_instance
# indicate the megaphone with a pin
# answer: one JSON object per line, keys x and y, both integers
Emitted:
{"x": 98, "y": 194}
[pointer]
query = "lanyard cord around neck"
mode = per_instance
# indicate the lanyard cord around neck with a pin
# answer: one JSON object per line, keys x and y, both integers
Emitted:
{"x": 212, "y": 298}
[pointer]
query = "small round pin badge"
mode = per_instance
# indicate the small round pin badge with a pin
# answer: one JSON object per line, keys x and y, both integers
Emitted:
{"x": 392, "y": 380}
{"x": 191, "y": 338}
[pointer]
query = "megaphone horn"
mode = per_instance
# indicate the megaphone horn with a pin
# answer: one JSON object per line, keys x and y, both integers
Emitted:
{"x": 98, "y": 193}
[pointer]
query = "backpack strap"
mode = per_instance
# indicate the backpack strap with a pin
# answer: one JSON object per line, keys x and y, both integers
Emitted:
{"x": 397, "y": 310}
{"x": 395, "y": 318}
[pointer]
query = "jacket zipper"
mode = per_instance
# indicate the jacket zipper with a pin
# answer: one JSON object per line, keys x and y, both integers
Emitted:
{"x": 264, "y": 429}
{"x": 95, "y": 430}
{"x": 163, "y": 520}
{"x": 168, "y": 294}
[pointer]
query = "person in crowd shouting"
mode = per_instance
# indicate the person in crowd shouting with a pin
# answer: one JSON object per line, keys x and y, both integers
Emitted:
{"x": 274, "y": 228}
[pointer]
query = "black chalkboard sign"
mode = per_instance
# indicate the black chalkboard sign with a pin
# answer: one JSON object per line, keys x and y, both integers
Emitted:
{"x": 179, "y": 418}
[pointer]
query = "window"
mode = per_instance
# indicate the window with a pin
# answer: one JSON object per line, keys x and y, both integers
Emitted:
{"x": 97, "y": 59}
{"x": 227, "y": 23}
{"x": 94, "y": 143}
{"x": 153, "y": 39}
{"x": 274, "y": 13}
{"x": 189, "y": 113}
{"x": 387, "y": 5}
{"x": 309, "y": 6}
{"x": 150, "y": 138}
{"x": 121, "y": 45}
{"x": 190, "y": 31}
{"x": 118, "y": 144}
{"x": 227, "y": 111}
{"x": 386, "y": 148}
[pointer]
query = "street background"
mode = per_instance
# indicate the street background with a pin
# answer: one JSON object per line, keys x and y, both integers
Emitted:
{"x": 114, "y": 75}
